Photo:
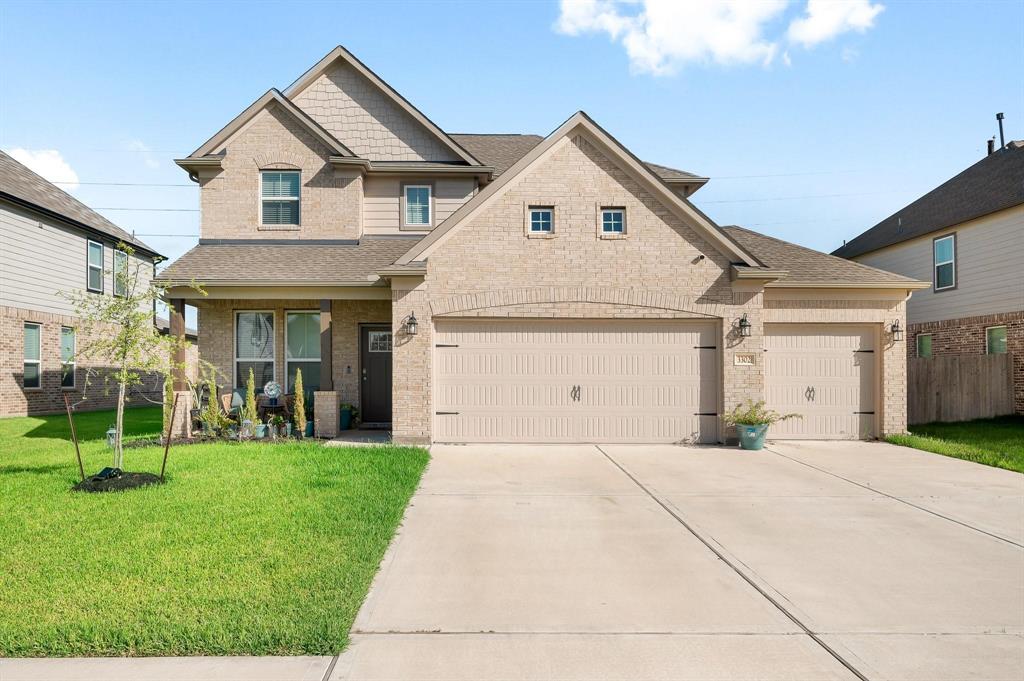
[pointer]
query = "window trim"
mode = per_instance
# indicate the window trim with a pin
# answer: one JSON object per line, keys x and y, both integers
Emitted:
{"x": 935, "y": 265}
{"x": 119, "y": 254}
{"x": 917, "y": 346}
{"x": 528, "y": 220}
{"x": 73, "y": 363}
{"x": 601, "y": 210}
{"x": 297, "y": 199}
{"x": 89, "y": 266}
{"x": 997, "y": 326}
{"x": 403, "y": 223}
{"x": 234, "y": 347}
{"x": 287, "y": 360}
{"x": 26, "y": 361}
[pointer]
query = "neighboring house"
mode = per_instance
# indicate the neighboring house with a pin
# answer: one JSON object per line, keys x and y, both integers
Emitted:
{"x": 488, "y": 288}
{"x": 51, "y": 243}
{"x": 966, "y": 237}
{"x": 163, "y": 326}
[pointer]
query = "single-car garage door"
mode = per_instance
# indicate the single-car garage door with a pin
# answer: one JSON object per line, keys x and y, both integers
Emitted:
{"x": 826, "y": 372}
{"x": 531, "y": 380}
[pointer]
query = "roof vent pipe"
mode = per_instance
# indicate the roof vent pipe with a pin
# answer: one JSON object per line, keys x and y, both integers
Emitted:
{"x": 1002, "y": 140}
{"x": 991, "y": 145}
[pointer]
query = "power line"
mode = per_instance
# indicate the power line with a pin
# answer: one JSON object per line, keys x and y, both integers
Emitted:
{"x": 151, "y": 210}
{"x": 814, "y": 172}
{"x": 130, "y": 184}
{"x": 806, "y": 196}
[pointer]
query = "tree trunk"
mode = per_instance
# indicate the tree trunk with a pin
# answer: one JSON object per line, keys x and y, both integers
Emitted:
{"x": 118, "y": 450}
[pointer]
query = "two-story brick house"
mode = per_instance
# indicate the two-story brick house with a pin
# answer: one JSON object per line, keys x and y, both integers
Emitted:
{"x": 52, "y": 244}
{"x": 488, "y": 288}
{"x": 966, "y": 237}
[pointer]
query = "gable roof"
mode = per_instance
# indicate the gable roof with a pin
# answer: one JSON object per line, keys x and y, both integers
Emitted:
{"x": 994, "y": 183}
{"x": 21, "y": 186}
{"x": 806, "y": 267}
{"x": 340, "y": 52}
{"x": 615, "y": 149}
{"x": 269, "y": 97}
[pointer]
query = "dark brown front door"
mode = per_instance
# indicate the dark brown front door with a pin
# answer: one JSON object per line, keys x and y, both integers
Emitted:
{"x": 375, "y": 365}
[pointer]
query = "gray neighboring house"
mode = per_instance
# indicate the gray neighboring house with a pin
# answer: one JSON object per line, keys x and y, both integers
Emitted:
{"x": 51, "y": 243}
{"x": 966, "y": 237}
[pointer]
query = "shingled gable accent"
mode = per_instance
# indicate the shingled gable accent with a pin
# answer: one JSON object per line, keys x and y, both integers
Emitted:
{"x": 273, "y": 95}
{"x": 581, "y": 122}
{"x": 339, "y": 52}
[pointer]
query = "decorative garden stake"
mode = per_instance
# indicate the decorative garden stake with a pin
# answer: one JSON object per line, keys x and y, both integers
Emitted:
{"x": 167, "y": 440}
{"x": 74, "y": 437}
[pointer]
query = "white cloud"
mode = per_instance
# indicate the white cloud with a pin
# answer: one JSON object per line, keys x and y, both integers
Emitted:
{"x": 48, "y": 163}
{"x": 826, "y": 19}
{"x": 145, "y": 152}
{"x": 849, "y": 54}
{"x": 660, "y": 36}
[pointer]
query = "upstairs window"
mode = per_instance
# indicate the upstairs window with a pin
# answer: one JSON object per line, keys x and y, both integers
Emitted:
{"x": 94, "y": 274}
{"x": 924, "y": 345}
{"x": 120, "y": 273}
{"x": 995, "y": 340}
{"x": 417, "y": 211}
{"x": 32, "y": 376}
{"x": 613, "y": 220}
{"x": 67, "y": 357}
{"x": 279, "y": 194}
{"x": 945, "y": 262}
{"x": 542, "y": 219}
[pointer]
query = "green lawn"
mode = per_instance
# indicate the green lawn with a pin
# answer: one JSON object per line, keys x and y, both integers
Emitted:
{"x": 994, "y": 442}
{"x": 248, "y": 548}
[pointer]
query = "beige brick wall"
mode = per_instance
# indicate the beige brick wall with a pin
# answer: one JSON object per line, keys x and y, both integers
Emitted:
{"x": 366, "y": 120}
{"x": 216, "y": 337}
{"x": 97, "y": 393}
{"x": 331, "y": 201}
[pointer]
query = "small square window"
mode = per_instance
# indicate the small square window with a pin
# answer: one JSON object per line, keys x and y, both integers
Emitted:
{"x": 542, "y": 219}
{"x": 613, "y": 220}
{"x": 924, "y": 345}
{"x": 995, "y": 340}
{"x": 380, "y": 341}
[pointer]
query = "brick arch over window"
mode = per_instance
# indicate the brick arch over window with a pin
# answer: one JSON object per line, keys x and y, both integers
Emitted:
{"x": 278, "y": 161}
{"x": 505, "y": 298}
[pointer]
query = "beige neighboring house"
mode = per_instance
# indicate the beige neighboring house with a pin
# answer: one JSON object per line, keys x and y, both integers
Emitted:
{"x": 513, "y": 288}
{"x": 966, "y": 237}
{"x": 52, "y": 243}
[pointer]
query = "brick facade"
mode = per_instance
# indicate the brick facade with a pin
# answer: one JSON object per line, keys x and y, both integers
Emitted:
{"x": 966, "y": 336}
{"x": 16, "y": 400}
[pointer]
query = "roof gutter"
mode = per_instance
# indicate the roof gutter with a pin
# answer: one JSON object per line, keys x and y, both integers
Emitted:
{"x": 368, "y": 166}
{"x": 909, "y": 284}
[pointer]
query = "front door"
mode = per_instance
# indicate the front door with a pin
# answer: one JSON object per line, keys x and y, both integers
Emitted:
{"x": 375, "y": 365}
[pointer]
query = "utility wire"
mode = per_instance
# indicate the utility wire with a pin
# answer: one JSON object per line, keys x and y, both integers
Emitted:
{"x": 131, "y": 184}
{"x": 151, "y": 210}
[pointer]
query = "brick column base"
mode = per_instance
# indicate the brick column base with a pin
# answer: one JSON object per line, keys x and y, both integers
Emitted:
{"x": 181, "y": 428}
{"x": 326, "y": 413}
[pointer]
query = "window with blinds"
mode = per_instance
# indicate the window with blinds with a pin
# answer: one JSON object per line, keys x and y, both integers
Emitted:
{"x": 94, "y": 267}
{"x": 279, "y": 194}
{"x": 67, "y": 357}
{"x": 120, "y": 273}
{"x": 302, "y": 344}
{"x": 254, "y": 348}
{"x": 32, "y": 375}
{"x": 417, "y": 205}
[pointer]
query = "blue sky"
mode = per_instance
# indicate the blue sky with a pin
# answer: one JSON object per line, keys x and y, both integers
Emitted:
{"x": 812, "y": 143}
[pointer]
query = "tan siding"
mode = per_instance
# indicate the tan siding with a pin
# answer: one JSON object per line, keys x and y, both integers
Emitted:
{"x": 990, "y": 278}
{"x": 382, "y": 201}
{"x": 43, "y": 259}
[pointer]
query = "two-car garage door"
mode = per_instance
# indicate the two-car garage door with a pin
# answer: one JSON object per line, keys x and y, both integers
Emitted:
{"x": 531, "y": 380}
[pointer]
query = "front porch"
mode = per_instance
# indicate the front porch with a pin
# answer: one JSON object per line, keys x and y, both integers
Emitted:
{"x": 341, "y": 345}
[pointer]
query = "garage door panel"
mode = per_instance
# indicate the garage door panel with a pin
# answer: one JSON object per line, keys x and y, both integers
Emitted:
{"x": 639, "y": 381}
{"x": 826, "y": 373}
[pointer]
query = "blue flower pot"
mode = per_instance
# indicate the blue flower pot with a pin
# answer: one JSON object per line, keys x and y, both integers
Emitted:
{"x": 346, "y": 419}
{"x": 752, "y": 437}
{"x": 309, "y": 429}
{"x": 260, "y": 431}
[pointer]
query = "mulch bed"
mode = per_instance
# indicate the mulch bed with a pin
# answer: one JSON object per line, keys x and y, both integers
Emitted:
{"x": 122, "y": 482}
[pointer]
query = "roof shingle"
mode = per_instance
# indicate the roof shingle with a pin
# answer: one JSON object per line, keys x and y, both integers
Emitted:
{"x": 24, "y": 186}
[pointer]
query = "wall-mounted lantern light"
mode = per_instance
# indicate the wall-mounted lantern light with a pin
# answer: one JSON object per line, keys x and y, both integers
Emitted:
{"x": 410, "y": 324}
{"x": 896, "y": 330}
{"x": 744, "y": 325}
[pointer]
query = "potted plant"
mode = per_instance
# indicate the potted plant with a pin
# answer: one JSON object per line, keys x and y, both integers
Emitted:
{"x": 752, "y": 420}
{"x": 211, "y": 416}
{"x": 276, "y": 426}
{"x": 348, "y": 415}
{"x": 300, "y": 405}
{"x": 259, "y": 429}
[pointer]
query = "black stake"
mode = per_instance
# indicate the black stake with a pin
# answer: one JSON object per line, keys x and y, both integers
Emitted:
{"x": 74, "y": 436}
{"x": 167, "y": 439}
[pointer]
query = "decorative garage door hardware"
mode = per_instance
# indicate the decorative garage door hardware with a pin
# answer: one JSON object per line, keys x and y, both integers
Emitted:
{"x": 864, "y": 412}
{"x": 706, "y": 413}
{"x": 446, "y": 345}
{"x": 809, "y": 393}
{"x": 870, "y": 351}
{"x": 447, "y": 413}
{"x": 705, "y": 347}
{"x": 574, "y": 394}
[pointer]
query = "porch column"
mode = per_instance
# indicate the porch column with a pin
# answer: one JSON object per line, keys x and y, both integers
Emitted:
{"x": 326, "y": 348}
{"x": 182, "y": 425}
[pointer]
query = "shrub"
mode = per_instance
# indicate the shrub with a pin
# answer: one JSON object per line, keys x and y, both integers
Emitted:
{"x": 248, "y": 411}
{"x": 300, "y": 404}
{"x": 752, "y": 413}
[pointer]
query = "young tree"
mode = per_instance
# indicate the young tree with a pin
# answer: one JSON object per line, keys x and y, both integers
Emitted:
{"x": 249, "y": 410}
{"x": 117, "y": 332}
{"x": 300, "y": 404}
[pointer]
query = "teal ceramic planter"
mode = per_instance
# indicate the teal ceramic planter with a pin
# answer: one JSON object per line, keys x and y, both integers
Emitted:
{"x": 309, "y": 429}
{"x": 752, "y": 437}
{"x": 260, "y": 431}
{"x": 346, "y": 419}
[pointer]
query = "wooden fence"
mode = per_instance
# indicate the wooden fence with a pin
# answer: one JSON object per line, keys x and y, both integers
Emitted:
{"x": 959, "y": 388}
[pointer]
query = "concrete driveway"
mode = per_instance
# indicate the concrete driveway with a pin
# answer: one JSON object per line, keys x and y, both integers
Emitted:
{"x": 805, "y": 561}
